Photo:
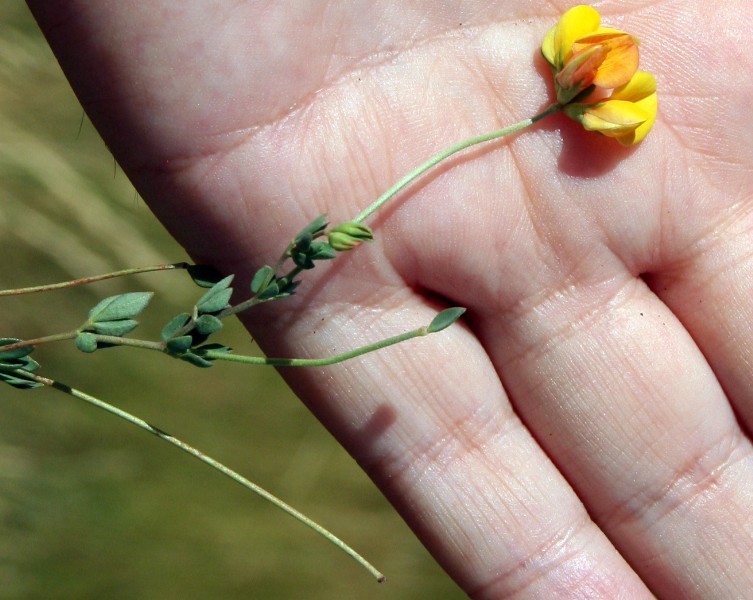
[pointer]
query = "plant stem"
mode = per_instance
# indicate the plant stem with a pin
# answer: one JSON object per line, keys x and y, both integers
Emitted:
{"x": 315, "y": 362}
{"x": 40, "y": 340}
{"x": 438, "y": 158}
{"x": 133, "y": 342}
{"x": 92, "y": 279}
{"x": 237, "y": 477}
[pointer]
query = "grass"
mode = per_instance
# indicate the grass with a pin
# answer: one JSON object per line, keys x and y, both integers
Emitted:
{"x": 93, "y": 508}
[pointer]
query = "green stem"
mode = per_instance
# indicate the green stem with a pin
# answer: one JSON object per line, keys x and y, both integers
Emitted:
{"x": 237, "y": 477}
{"x": 133, "y": 342}
{"x": 315, "y": 362}
{"x": 92, "y": 279}
{"x": 40, "y": 340}
{"x": 438, "y": 158}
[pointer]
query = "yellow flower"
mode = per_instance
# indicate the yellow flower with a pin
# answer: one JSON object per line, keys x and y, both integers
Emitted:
{"x": 584, "y": 54}
{"x": 627, "y": 115}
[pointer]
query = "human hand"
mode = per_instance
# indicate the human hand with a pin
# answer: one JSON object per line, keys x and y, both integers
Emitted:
{"x": 587, "y": 433}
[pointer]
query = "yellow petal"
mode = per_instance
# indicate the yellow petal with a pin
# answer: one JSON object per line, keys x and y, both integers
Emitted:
{"x": 649, "y": 105}
{"x": 547, "y": 46}
{"x": 641, "y": 86}
{"x": 577, "y": 22}
{"x": 614, "y": 118}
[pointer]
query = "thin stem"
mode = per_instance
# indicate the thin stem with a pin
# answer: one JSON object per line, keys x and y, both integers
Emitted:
{"x": 314, "y": 362}
{"x": 237, "y": 477}
{"x": 438, "y": 158}
{"x": 115, "y": 340}
{"x": 69, "y": 335}
{"x": 92, "y": 279}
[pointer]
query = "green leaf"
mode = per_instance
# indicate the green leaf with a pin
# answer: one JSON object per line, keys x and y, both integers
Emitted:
{"x": 214, "y": 348}
{"x": 177, "y": 323}
{"x": 204, "y": 275}
{"x": 444, "y": 319}
{"x": 13, "y": 354}
{"x": 217, "y": 297}
{"x": 322, "y": 251}
{"x": 86, "y": 342}
{"x": 208, "y": 324}
{"x": 123, "y": 306}
{"x": 18, "y": 381}
{"x": 311, "y": 231}
{"x": 9, "y": 366}
{"x": 261, "y": 279}
{"x": 115, "y": 328}
{"x": 179, "y": 344}
{"x": 271, "y": 291}
{"x": 195, "y": 360}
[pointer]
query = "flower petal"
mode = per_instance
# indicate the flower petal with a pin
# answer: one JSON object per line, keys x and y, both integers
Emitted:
{"x": 614, "y": 118}
{"x": 641, "y": 86}
{"x": 577, "y": 22}
{"x": 621, "y": 61}
{"x": 650, "y": 106}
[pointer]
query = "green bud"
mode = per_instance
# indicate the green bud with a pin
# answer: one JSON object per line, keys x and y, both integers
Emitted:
{"x": 347, "y": 236}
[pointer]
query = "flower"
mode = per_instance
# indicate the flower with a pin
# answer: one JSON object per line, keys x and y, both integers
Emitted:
{"x": 590, "y": 60}
{"x": 582, "y": 54}
{"x": 627, "y": 115}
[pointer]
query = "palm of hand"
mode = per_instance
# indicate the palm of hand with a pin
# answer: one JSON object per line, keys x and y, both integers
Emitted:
{"x": 260, "y": 118}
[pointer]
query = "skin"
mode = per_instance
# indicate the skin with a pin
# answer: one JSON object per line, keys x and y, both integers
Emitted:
{"x": 585, "y": 431}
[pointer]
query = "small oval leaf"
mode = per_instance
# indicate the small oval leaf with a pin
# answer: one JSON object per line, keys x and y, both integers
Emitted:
{"x": 179, "y": 344}
{"x": 13, "y": 354}
{"x": 445, "y": 318}
{"x": 217, "y": 297}
{"x": 261, "y": 279}
{"x": 177, "y": 323}
{"x": 208, "y": 324}
{"x": 115, "y": 328}
{"x": 122, "y": 306}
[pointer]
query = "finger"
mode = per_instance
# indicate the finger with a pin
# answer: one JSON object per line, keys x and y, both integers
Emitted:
{"x": 431, "y": 425}
{"x": 626, "y": 404}
{"x": 711, "y": 291}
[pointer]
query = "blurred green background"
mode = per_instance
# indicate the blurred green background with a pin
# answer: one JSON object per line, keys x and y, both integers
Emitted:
{"x": 91, "y": 507}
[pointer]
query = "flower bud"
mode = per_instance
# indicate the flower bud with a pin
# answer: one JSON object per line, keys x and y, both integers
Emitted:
{"x": 347, "y": 236}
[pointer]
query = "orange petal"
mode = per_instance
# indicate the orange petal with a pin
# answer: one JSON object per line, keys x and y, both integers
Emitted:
{"x": 621, "y": 61}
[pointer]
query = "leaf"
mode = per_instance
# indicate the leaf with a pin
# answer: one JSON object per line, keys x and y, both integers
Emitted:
{"x": 26, "y": 363}
{"x": 444, "y": 319}
{"x": 86, "y": 342}
{"x": 204, "y": 275}
{"x": 208, "y": 324}
{"x": 322, "y": 251}
{"x": 16, "y": 353}
{"x": 217, "y": 297}
{"x": 115, "y": 328}
{"x": 123, "y": 306}
{"x": 179, "y": 344}
{"x": 18, "y": 381}
{"x": 177, "y": 323}
{"x": 271, "y": 291}
{"x": 311, "y": 231}
{"x": 261, "y": 279}
{"x": 195, "y": 360}
{"x": 215, "y": 348}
